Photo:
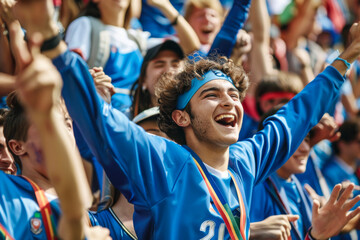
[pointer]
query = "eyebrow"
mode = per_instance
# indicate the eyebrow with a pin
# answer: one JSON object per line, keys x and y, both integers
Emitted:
{"x": 232, "y": 89}
{"x": 209, "y": 90}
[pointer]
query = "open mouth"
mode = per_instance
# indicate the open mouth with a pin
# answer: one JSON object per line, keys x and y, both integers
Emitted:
{"x": 207, "y": 31}
{"x": 226, "y": 120}
{"x": 7, "y": 170}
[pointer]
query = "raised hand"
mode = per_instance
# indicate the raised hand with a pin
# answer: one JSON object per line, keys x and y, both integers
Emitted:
{"x": 36, "y": 16}
{"x": 6, "y": 12}
{"x": 325, "y": 129}
{"x": 328, "y": 220}
{"x": 39, "y": 84}
{"x": 102, "y": 83}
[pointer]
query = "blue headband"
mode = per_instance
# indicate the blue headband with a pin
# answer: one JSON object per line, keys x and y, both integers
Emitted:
{"x": 185, "y": 98}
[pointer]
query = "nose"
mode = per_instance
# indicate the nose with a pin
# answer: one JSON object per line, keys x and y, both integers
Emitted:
{"x": 227, "y": 101}
{"x": 304, "y": 146}
{"x": 5, "y": 156}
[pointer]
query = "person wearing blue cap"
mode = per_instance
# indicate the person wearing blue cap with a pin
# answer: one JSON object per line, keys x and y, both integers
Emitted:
{"x": 201, "y": 189}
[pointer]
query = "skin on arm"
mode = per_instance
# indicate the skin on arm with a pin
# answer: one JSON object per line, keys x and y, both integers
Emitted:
{"x": 189, "y": 41}
{"x": 39, "y": 85}
{"x": 261, "y": 63}
{"x": 6, "y": 18}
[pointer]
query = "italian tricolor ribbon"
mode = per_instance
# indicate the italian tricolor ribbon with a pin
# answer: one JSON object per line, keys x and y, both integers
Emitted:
{"x": 45, "y": 210}
{"x": 4, "y": 234}
{"x": 235, "y": 229}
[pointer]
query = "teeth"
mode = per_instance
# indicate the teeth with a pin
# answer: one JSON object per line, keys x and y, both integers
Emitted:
{"x": 7, "y": 172}
{"x": 228, "y": 116}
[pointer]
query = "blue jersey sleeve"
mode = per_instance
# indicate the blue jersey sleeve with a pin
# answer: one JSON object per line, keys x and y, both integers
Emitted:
{"x": 283, "y": 132}
{"x": 235, "y": 20}
{"x": 136, "y": 162}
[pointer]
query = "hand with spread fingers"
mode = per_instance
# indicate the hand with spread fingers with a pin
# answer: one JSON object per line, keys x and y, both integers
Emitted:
{"x": 330, "y": 219}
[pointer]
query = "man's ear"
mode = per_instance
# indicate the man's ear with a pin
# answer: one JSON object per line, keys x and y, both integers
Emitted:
{"x": 181, "y": 118}
{"x": 17, "y": 147}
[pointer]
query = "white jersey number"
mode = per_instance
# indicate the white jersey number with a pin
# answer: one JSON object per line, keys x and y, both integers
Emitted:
{"x": 209, "y": 227}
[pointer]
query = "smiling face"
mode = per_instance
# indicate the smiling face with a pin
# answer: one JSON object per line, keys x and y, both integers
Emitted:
{"x": 206, "y": 23}
{"x": 7, "y": 163}
{"x": 216, "y": 114}
{"x": 297, "y": 162}
{"x": 165, "y": 61}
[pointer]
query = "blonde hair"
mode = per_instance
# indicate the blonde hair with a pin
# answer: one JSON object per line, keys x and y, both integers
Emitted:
{"x": 213, "y": 4}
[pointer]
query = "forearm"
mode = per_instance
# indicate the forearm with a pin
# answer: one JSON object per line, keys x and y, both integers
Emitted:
{"x": 6, "y": 58}
{"x": 260, "y": 62}
{"x": 7, "y": 85}
{"x": 63, "y": 162}
{"x": 189, "y": 41}
{"x": 300, "y": 24}
{"x": 226, "y": 38}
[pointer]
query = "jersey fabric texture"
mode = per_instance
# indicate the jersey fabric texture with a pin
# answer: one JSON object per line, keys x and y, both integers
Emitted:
{"x": 19, "y": 210}
{"x": 125, "y": 59}
{"x": 153, "y": 21}
{"x": 108, "y": 219}
{"x": 292, "y": 195}
{"x": 335, "y": 171}
{"x": 160, "y": 177}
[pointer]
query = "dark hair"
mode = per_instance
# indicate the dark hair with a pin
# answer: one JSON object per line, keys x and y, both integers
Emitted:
{"x": 170, "y": 86}
{"x": 269, "y": 113}
{"x": 16, "y": 124}
{"x": 141, "y": 99}
{"x": 349, "y": 130}
{"x": 3, "y": 112}
{"x": 92, "y": 10}
{"x": 279, "y": 82}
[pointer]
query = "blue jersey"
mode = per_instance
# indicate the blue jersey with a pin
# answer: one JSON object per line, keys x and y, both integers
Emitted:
{"x": 313, "y": 177}
{"x": 289, "y": 199}
{"x": 153, "y": 21}
{"x": 249, "y": 127}
{"x": 19, "y": 210}
{"x": 125, "y": 59}
{"x": 335, "y": 171}
{"x": 225, "y": 40}
{"x": 161, "y": 178}
{"x": 107, "y": 218}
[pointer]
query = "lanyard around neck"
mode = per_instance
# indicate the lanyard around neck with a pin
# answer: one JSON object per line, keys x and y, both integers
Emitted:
{"x": 235, "y": 229}
{"x": 45, "y": 210}
{"x": 4, "y": 234}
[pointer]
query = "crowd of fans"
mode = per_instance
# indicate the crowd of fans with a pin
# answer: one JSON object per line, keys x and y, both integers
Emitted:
{"x": 179, "y": 119}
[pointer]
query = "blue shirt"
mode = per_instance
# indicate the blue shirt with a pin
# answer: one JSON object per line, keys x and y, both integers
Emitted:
{"x": 266, "y": 203}
{"x": 153, "y": 21}
{"x": 107, "y": 218}
{"x": 19, "y": 210}
{"x": 160, "y": 177}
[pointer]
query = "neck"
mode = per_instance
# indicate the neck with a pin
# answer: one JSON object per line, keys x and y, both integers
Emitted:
{"x": 350, "y": 161}
{"x": 43, "y": 182}
{"x": 125, "y": 211}
{"x": 214, "y": 156}
{"x": 114, "y": 18}
{"x": 284, "y": 174}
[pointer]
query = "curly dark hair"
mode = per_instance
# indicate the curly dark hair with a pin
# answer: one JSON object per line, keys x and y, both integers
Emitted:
{"x": 170, "y": 86}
